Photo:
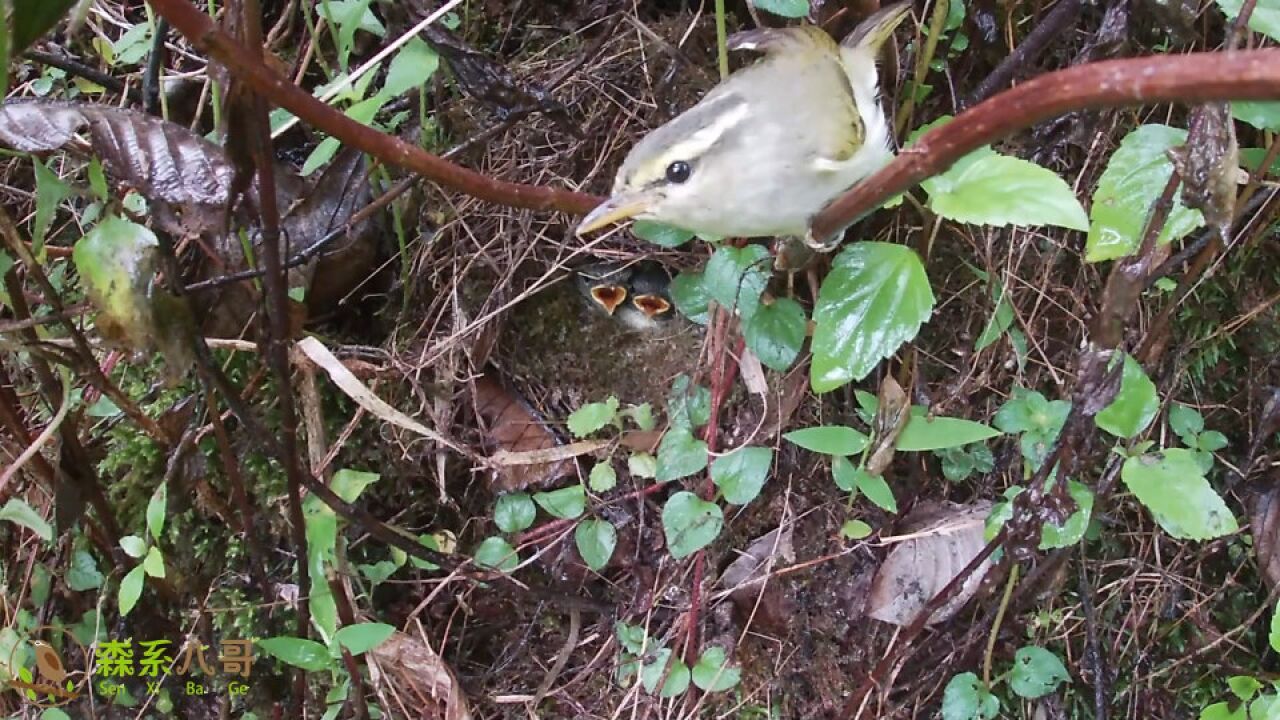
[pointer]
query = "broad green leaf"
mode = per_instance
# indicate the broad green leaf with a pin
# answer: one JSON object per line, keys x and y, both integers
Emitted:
{"x": 1243, "y": 686}
{"x": 593, "y": 416}
{"x": 363, "y": 637}
{"x": 1134, "y": 407}
{"x": 845, "y": 474}
{"x": 17, "y": 511}
{"x": 784, "y": 8}
{"x": 642, "y": 465}
{"x": 410, "y": 68}
{"x": 688, "y": 405}
{"x": 660, "y": 234}
{"x": 1224, "y": 711}
{"x": 1072, "y": 531}
{"x": 966, "y": 698}
{"x": 690, "y": 295}
{"x": 876, "y": 490}
{"x": 596, "y": 540}
{"x": 712, "y": 674}
{"x": 116, "y": 262}
{"x": 875, "y": 298}
{"x": 690, "y": 523}
{"x": 1001, "y": 190}
{"x": 775, "y": 333}
{"x": 348, "y": 484}
{"x": 603, "y": 477}
{"x": 497, "y": 553}
{"x": 298, "y": 652}
{"x": 34, "y": 18}
{"x": 680, "y": 454}
{"x": 130, "y": 590}
{"x": 653, "y": 672}
{"x": 83, "y": 573}
{"x": 1173, "y": 487}
{"x": 854, "y": 530}
{"x": 740, "y": 475}
{"x": 829, "y": 439}
{"x": 155, "y": 510}
{"x": 1036, "y": 672}
{"x": 735, "y": 277}
{"x": 565, "y": 503}
{"x": 514, "y": 512}
{"x": 1134, "y": 178}
{"x": 133, "y": 546}
{"x": 153, "y": 563}
{"x": 1265, "y": 18}
{"x": 925, "y": 433}
{"x": 1260, "y": 114}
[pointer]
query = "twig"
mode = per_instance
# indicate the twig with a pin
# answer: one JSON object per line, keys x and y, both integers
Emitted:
{"x": 995, "y": 625}
{"x": 1050, "y": 28}
{"x": 79, "y": 69}
{"x": 1093, "y": 651}
{"x": 1190, "y": 78}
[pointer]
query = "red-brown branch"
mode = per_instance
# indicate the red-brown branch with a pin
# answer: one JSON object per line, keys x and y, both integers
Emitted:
{"x": 1191, "y": 78}
{"x": 205, "y": 36}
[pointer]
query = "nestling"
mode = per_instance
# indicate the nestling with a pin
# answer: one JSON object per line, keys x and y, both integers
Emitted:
{"x": 637, "y": 296}
{"x": 768, "y": 147}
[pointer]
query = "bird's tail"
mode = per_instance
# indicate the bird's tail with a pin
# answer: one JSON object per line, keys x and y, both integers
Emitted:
{"x": 859, "y": 48}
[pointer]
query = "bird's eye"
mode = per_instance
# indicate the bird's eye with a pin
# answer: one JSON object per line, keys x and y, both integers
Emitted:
{"x": 678, "y": 171}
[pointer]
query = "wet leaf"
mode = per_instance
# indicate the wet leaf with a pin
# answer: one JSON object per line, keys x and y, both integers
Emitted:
{"x": 741, "y": 474}
{"x": 1134, "y": 178}
{"x": 1000, "y": 190}
{"x": 514, "y": 512}
{"x": 497, "y": 553}
{"x": 712, "y": 673}
{"x": 1036, "y": 672}
{"x": 829, "y": 439}
{"x": 690, "y": 523}
{"x": 735, "y": 278}
{"x": 565, "y": 503}
{"x": 1134, "y": 407}
{"x": 659, "y": 234}
{"x": 596, "y": 540}
{"x": 875, "y": 298}
{"x": 691, "y": 297}
{"x": 775, "y": 333}
{"x": 1173, "y": 487}
{"x": 945, "y": 540}
{"x": 680, "y": 454}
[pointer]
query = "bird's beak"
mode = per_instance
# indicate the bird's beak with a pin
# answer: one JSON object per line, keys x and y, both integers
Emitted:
{"x": 609, "y": 297}
{"x": 618, "y": 207}
{"x": 653, "y": 306}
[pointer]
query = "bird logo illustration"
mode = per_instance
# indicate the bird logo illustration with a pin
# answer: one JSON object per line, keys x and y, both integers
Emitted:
{"x": 52, "y": 684}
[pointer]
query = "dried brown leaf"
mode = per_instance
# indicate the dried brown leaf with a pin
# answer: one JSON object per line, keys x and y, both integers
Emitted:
{"x": 513, "y": 427}
{"x": 418, "y": 678}
{"x": 1266, "y": 534}
{"x": 940, "y": 540}
{"x": 891, "y": 417}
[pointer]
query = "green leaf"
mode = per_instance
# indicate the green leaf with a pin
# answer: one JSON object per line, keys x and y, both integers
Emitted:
{"x": 631, "y": 637}
{"x": 603, "y": 477}
{"x": 1211, "y": 441}
{"x": 565, "y": 503}
{"x": 155, "y": 510}
{"x": 1224, "y": 711}
{"x": 874, "y": 299}
{"x": 784, "y": 8}
{"x": 690, "y": 523}
{"x": 17, "y": 511}
{"x": 775, "y": 333}
{"x": 360, "y": 638}
{"x": 1172, "y": 486}
{"x": 514, "y": 512}
{"x": 153, "y": 563}
{"x": 593, "y": 416}
{"x": 829, "y": 439}
{"x": 1274, "y": 636}
{"x": 57, "y": 714}
{"x": 1001, "y": 190}
{"x": 50, "y": 192}
{"x": 680, "y": 454}
{"x": 876, "y": 490}
{"x": 854, "y": 530}
{"x": 497, "y": 553}
{"x": 1134, "y": 407}
{"x": 642, "y": 465}
{"x": 83, "y": 573}
{"x": 298, "y": 652}
{"x": 1243, "y": 686}
{"x": 845, "y": 473}
{"x": 1265, "y": 18}
{"x": 660, "y": 234}
{"x": 641, "y": 415}
{"x": 1001, "y": 320}
{"x": 1036, "y": 672}
{"x": 735, "y": 277}
{"x": 711, "y": 673}
{"x": 130, "y": 590}
{"x": 412, "y": 67}
{"x": 33, "y": 18}
{"x": 116, "y": 262}
{"x": 688, "y": 405}
{"x": 133, "y": 546}
{"x": 740, "y": 475}
{"x": 1186, "y": 422}
{"x": 677, "y": 679}
{"x": 1263, "y": 115}
{"x": 937, "y": 433}
{"x": 690, "y": 295}
{"x": 349, "y": 484}
{"x": 1072, "y": 531}
{"x": 596, "y": 540}
{"x": 1134, "y": 178}
{"x": 966, "y": 698}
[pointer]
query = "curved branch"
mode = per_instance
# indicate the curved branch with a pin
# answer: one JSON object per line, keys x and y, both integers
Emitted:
{"x": 1191, "y": 78}
{"x": 205, "y": 36}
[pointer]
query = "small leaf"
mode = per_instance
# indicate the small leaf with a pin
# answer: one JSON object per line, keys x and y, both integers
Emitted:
{"x": 740, "y": 475}
{"x": 298, "y": 652}
{"x": 17, "y": 511}
{"x": 565, "y": 503}
{"x": 1265, "y": 18}
{"x": 593, "y": 416}
{"x": 829, "y": 439}
{"x": 1172, "y": 486}
{"x": 153, "y": 563}
{"x": 412, "y": 67}
{"x": 596, "y": 540}
{"x": 876, "y": 490}
{"x": 497, "y": 553}
{"x": 348, "y": 484}
{"x": 1001, "y": 320}
{"x": 631, "y": 637}
{"x": 514, "y": 512}
{"x": 1243, "y": 686}
{"x": 50, "y": 192}
{"x": 690, "y": 523}
{"x": 130, "y": 590}
{"x": 855, "y": 530}
{"x": 845, "y": 473}
{"x": 966, "y": 698}
{"x": 653, "y": 672}
{"x": 1000, "y": 190}
{"x": 1036, "y": 672}
{"x": 134, "y": 546}
{"x": 735, "y": 278}
{"x": 1134, "y": 407}
{"x": 688, "y": 405}
{"x": 603, "y": 477}
{"x": 642, "y": 465}
{"x": 660, "y": 234}
{"x": 875, "y": 298}
{"x": 155, "y": 510}
{"x": 784, "y": 8}
{"x": 641, "y": 415}
{"x": 83, "y": 573}
{"x": 925, "y": 433}
{"x": 360, "y": 638}
{"x": 680, "y": 454}
{"x": 1186, "y": 422}
{"x": 776, "y": 333}
{"x": 1264, "y": 115}
{"x": 690, "y": 295}
{"x": 712, "y": 674}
